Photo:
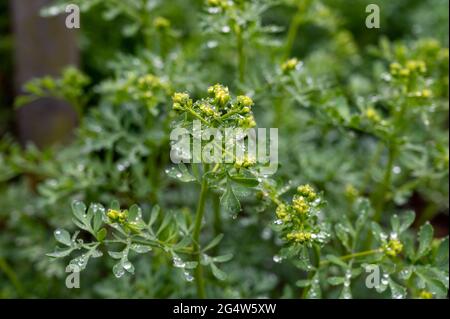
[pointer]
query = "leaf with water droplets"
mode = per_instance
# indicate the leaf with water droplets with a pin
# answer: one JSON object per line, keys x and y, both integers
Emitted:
{"x": 229, "y": 200}
{"x": 140, "y": 249}
{"x": 59, "y": 253}
{"x": 116, "y": 254}
{"x": 181, "y": 173}
{"x": 397, "y": 291}
{"x": 79, "y": 210}
{"x": 314, "y": 291}
{"x": 425, "y": 240}
{"x": 80, "y": 261}
{"x": 335, "y": 281}
{"x": 63, "y": 236}
{"x": 97, "y": 211}
{"x": 128, "y": 266}
{"x": 134, "y": 213}
{"x": 118, "y": 270}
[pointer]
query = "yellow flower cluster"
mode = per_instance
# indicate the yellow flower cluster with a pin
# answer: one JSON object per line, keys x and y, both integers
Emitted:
{"x": 351, "y": 192}
{"x": 117, "y": 216}
{"x": 411, "y": 66}
{"x": 372, "y": 115}
{"x": 425, "y": 93}
{"x": 161, "y": 23}
{"x": 244, "y": 162}
{"x": 181, "y": 100}
{"x": 300, "y": 205}
{"x": 425, "y": 295}
{"x": 208, "y": 109}
{"x": 247, "y": 122}
{"x": 151, "y": 81}
{"x": 220, "y": 94}
{"x": 393, "y": 247}
{"x": 224, "y": 4}
{"x": 245, "y": 101}
{"x": 290, "y": 65}
{"x": 294, "y": 218}
{"x": 307, "y": 191}
{"x": 299, "y": 236}
{"x": 282, "y": 213}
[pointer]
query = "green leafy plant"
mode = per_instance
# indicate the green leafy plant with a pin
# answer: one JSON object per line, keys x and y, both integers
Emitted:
{"x": 354, "y": 210}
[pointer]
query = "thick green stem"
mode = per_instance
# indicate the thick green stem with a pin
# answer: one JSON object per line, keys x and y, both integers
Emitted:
{"x": 316, "y": 252}
{"x": 196, "y": 239}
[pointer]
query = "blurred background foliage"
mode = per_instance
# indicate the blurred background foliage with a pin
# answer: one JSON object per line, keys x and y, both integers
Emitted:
{"x": 121, "y": 146}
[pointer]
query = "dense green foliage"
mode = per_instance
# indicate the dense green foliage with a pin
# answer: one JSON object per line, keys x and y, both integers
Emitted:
{"x": 362, "y": 118}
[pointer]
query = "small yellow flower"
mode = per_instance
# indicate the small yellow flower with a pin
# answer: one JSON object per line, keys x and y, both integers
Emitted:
{"x": 299, "y": 237}
{"x": 282, "y": 213}
{"x": 404, "y": 72}
{"x": 393, "y": 247}
{"x": 351, "y": 192}
{"x": 245, "y": 101}
{"x": 395, "y": 68}
{"x": 220, "y": 93}
{"x": 425, "y": 295}
{"x": 426, "y": 93}
{"x": 208, "y": 110}
{"x": 218, "y": 3}
{"x": 247, "y": 122}
{"x": 307, "y": 191}
{"x": 290, "y": 65}
{"x": 300, "y": 205}
{"x": 244, "y": 162}
{"x": 416, "y": 66}
{"x": 181, "y": 100}
{"x": 161, "y": 23}
{"x": 117, "y": 216}
{"x": 372, "y": 115}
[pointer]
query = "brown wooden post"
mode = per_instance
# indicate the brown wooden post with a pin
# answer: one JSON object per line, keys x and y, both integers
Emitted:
{"x": 42, "y": 46}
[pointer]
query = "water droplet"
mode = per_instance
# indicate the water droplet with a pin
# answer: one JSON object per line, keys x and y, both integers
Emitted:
{"x": 177, "y": 262}
{"x": 266, "y": 233}
{"x": 188, "y": 276}
{"x": 213, "y": 10}
{"x": 212, "y": 44}
{"x": 140, "y": 249}
{"x": 277, "y": 259}
{"x": 118, "y": 270}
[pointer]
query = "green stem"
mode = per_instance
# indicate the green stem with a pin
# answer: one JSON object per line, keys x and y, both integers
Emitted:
{"x": 196, "y": 238}
{"x": 355, "y": 255}
{"x": 292, "y": 32}
{"x": 316, "y": 252}
{"x": 380, "y": 197}
{"x": 217, "y": 216}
